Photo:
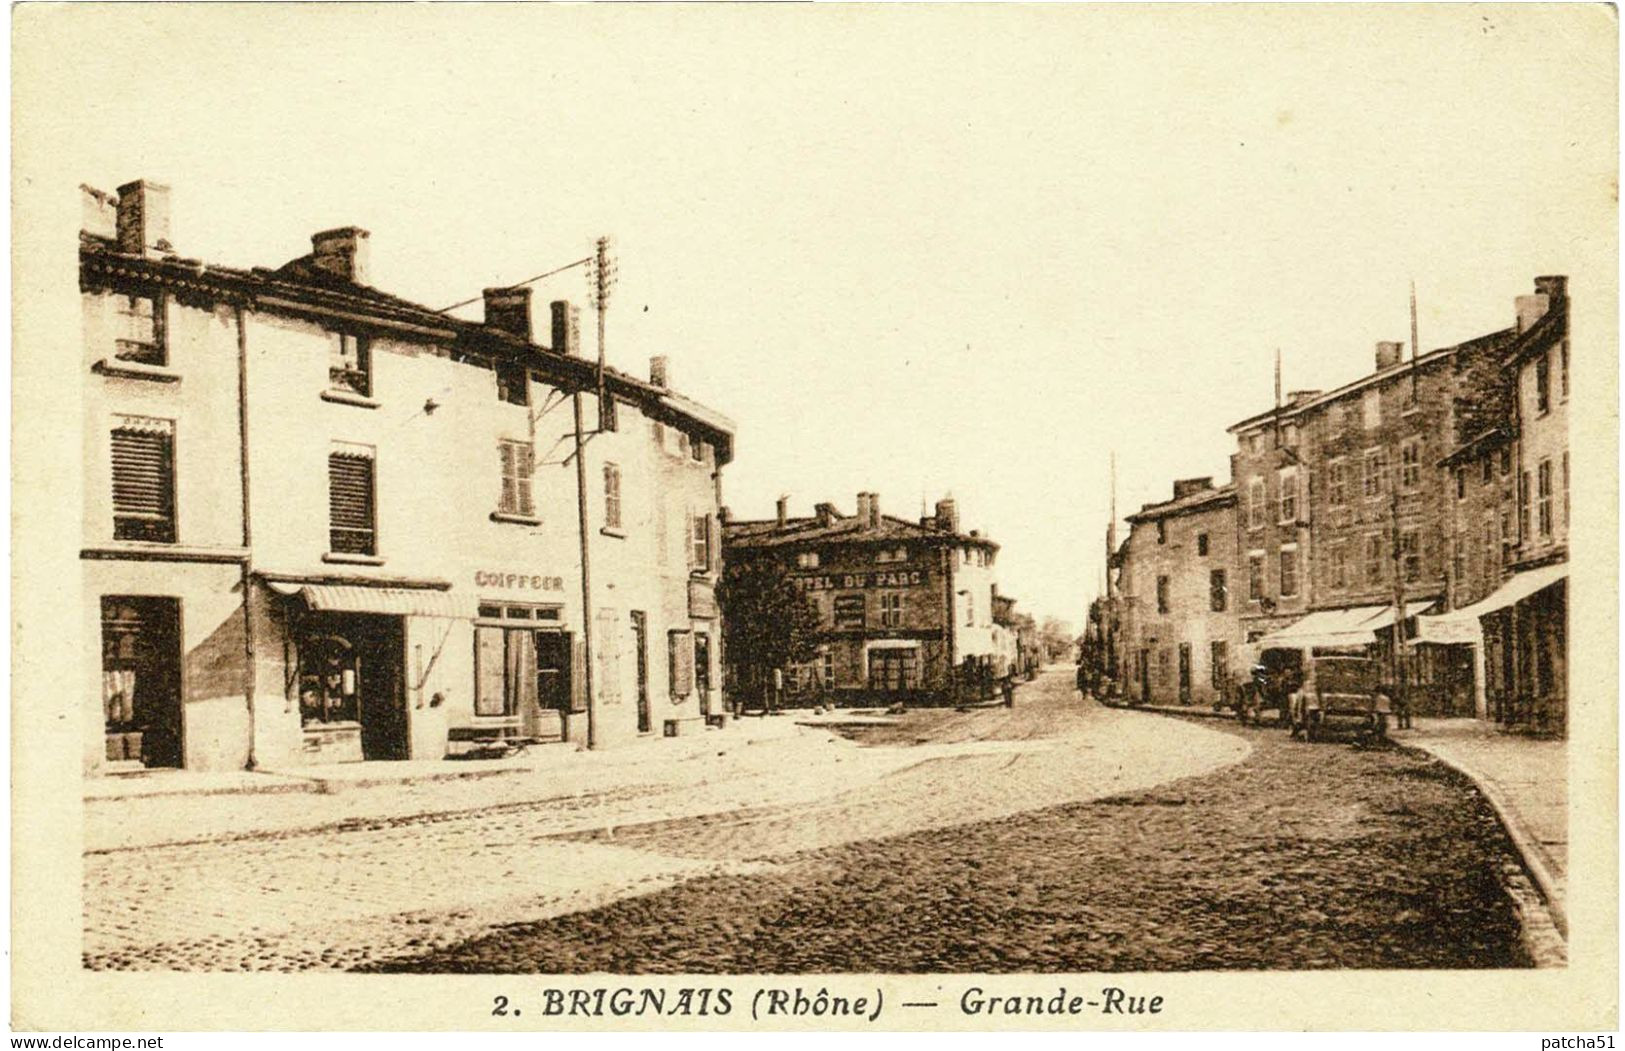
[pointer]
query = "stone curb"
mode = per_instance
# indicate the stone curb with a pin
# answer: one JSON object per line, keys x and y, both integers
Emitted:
{"x": 1520, "y": 834}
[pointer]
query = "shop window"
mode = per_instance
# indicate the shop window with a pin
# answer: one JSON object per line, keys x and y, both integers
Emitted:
{"x": 612, "y": 496}
{"x": 1543, "y": 497}
{"x": 143, "y": 468}
{"x": 891, "y": 609}
{"x": 517, "y": 667}
{"x": 140, "y": 336}
{"x": 518, "y": 462}
{"x": 1162, "y": 594}
{"x": 351, "y": 522}
{"x": 1289, "y": 573}
{"x": 329, "y": 680}
{"x": 141, "y": 676}
{"x": 1218, "y": 594}
{"x": 680, "y": 662}
{"x": 513, "y": 383}
{"x": 349, "y": 363}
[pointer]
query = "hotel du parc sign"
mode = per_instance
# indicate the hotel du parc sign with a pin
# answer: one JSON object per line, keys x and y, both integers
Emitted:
{"x": 879, "y": 578}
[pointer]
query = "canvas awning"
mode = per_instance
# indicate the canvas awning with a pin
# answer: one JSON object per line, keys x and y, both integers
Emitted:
{"x": 1461, "y": 625}
{"x": 1385, "y": 619}
{"x": 360, "y": 598}
{"x": 1326, "y": 627}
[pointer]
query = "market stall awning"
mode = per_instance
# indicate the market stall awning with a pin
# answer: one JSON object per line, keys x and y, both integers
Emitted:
{"x": 1385, "y": 619}
{"x": 1461, "y": 625}
{"x": 1326, "y": 627}
{"x": 359, "y": 598}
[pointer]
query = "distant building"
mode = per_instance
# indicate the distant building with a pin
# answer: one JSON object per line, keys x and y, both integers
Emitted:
{"x": 906, "y": 607}
{"x": 1179, "y": 627}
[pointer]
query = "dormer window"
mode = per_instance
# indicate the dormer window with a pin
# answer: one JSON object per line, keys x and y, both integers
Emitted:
{"x": 349, "y": 363}
{"x": 513, "y": 383}
{"x": 140, "y": 332}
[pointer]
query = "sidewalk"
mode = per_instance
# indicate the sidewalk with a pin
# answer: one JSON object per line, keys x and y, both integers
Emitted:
{"x": 167, "y": 807}
{"x": 1524, "y": 779}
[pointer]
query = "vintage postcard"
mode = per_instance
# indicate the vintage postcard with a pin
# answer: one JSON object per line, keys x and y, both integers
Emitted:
{"x": 863, "y": 517}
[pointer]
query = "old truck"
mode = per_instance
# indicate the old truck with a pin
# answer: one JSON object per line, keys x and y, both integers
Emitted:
{"x": 1341, "y": 693}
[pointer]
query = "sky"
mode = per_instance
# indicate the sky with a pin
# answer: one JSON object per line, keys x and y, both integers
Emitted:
{"x": 916, "y": 250}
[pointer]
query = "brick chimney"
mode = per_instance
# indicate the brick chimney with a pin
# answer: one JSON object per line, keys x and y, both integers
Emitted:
{"x": 826, "y": 514}
{"x": 566, "y": 327}
{"x": 874, "y": 510}
{"x": 342, "y": 252}
{"x": 1389, "y": 354}
{"x": 863, "y": 508}
{"x": 784, "y": 511}
{"x": 948, "y": 515}
{"x": 659, "y": 373}
{"x": 143, "y": 218}
{"x": 508, "y": 309}
{"x": 1548, "y": 290}
{"x": 1186, "y": 486}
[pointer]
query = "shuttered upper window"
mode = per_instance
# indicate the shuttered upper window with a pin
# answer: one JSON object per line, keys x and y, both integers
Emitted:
{"x": 352, "y": 528}
{"x": 144, "y": 479}
{"x": 518, "y": 468}
{"x": 612, "y": 496}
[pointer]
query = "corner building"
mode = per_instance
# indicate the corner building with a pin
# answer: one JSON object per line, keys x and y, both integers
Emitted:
{"x": 324, "y": 524}
{"x": 906, "y": 609}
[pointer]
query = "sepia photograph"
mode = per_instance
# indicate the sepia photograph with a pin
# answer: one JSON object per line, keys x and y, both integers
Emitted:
{"x": 815, "y": 516}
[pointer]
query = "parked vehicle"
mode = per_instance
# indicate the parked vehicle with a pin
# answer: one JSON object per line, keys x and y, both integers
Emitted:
{"x": 1341, "y": 692}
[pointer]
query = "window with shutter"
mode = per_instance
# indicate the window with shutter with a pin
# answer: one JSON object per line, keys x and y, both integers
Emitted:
{"x": 700, "y": 530}
{"x": 612, "y": 496}
{"x": 144, "y": 479}
{"x": 351, "y": 523}
{"x": 518, "y": 472}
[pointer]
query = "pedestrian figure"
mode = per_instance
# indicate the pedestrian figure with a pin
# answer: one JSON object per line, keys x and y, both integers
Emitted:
{"x": 1402, "y": 708}
{"x": 1083, "y": 680}
{"x": 1009, "y": 689}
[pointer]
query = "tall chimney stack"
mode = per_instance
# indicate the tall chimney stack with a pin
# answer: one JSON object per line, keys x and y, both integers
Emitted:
{"x": 1389, "y": 354}
{"x": 784, "y": 511}
{"x": 508, "y": 309}
{"x": 863, "y": 509}
{"x": 874, "y": 511}
{"x": 342, "y": 252}
{"x": 659, "y": 374}
{"x": 143, "y": 218}
{"x": 948, "y": 515}
{"x": 566, "y": 327}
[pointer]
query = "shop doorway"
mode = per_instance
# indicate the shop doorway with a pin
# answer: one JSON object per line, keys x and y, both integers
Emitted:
{"x": 351, "y": 681}
{"x": 141, "y": 681}
{"x": 640, "y": 643}
{"x": 545, "y": 719}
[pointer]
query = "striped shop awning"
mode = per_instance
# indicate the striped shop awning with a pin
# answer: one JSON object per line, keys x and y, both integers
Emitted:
{"x": 362, "y": 598}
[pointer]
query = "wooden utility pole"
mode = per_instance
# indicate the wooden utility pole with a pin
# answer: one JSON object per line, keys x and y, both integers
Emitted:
{"x": 1398, "y": 659}
{"x": 601, "y": 277}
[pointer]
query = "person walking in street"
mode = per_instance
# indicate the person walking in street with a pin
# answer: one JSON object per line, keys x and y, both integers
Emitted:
{"x": 1009, "y": 689}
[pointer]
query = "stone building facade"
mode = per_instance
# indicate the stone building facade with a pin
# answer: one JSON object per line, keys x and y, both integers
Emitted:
{"x": 1176, "y": 587}
{"x": 325, "y": 524}
{"x": 906, "y": 609}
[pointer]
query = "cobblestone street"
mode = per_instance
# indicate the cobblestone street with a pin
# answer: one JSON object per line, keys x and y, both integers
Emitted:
{"x": 1058, "y": 835}
{"x": 368, "y": 890}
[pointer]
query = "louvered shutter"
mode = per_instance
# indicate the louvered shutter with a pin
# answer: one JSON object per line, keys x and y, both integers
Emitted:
{"x": 350, "y": 512}
{"x": 680, "y": 667}
{"x": 509, "y": 490}
{"x": 143, "y": 484}
{"x": 489, "y": 696}
{"x": 525, "y": 470}
{"x": 578, "y": 674}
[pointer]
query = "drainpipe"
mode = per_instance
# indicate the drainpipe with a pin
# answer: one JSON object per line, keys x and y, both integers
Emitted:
{"x": 586, "y": 576}
{"x": 248, "y": 533}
